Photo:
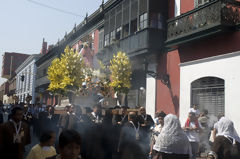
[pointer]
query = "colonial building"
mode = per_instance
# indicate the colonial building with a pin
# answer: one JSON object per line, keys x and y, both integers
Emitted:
{"x": 25, "y": 78}
{"x": 137, "y": 27}
{"x": 202, "y": 59}
{"x": 83, "y": 38}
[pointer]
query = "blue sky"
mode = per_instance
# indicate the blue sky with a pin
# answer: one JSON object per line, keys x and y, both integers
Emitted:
{"x": 24, "y": 24}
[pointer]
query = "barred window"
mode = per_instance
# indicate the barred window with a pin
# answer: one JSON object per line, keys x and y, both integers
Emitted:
{"x": 208, "y": 93}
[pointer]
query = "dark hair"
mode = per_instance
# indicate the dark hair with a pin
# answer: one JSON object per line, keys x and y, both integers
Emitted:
{"x": 46, "y": 136}
{"x": 69, "y": 136}
{"x": 132, "y": 115}
{"x": 205, "y": 111}
{"x": 14, "y": 110}
{"x": 161, "y": 114}
{"x": 192, "y": 113}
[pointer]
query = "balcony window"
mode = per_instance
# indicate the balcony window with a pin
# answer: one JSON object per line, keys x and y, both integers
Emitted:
{"x": 133, "y": 26}
{"x": 119, "y": 15}
{"x": 106, "y": 40}
{"x": 125, "y": 30}
{"x": 106, "y": 23}
{"x": 112, "y": 36}
{"x": 156, "y": 20}
{"x": 143, "y": 22}
{"x": 101, "y": 38}
{"x": 118, "y": 33}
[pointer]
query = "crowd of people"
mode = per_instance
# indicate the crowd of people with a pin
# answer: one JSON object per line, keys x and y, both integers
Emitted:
{"x": 116, "y": 133}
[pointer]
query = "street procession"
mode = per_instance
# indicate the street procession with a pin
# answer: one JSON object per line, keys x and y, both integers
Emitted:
{"x": 134, "y": 79}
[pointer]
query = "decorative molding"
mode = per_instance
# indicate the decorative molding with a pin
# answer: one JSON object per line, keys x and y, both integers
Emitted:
{"x": 214, "y": 58}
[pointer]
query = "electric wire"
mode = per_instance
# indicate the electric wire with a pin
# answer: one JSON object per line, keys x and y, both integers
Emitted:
{"x": 56, "y": 9}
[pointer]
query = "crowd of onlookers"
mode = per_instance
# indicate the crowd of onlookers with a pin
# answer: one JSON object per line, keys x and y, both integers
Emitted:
{"x": 114, "y": 133}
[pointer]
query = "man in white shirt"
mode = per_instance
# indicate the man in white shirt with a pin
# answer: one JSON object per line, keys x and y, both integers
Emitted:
{"x": 192, "y": 131}
{"x": 195, "y": 110}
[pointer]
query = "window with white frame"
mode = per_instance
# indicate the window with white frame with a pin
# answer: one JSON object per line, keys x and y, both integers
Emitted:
{"x": 118, "y": 33}
{"x": 112, "y": 36}
{"x": 209, "y": 93}
{"x": 106, "y": 40}
{"x": 29, "y": 77}
{"x": 101, "y": 39}
{"x": 143, "y": 21}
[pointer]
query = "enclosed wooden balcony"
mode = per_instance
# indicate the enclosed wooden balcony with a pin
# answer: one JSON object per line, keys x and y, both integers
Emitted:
{"x": 212, "y": 18}
{"x": 141, "y": 42}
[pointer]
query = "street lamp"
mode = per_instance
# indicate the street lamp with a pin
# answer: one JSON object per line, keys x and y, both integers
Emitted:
{"x": 163, "y": 77}
{"x": 141, "y": 90}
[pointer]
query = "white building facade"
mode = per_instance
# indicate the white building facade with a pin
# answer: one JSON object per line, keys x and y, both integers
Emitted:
{"x": 214, "y": 84}
{"x": 26, "y": 77}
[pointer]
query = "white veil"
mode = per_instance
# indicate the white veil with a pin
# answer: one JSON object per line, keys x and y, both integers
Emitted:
{"x": 172, "y": 138}
{"x": 226, "y": 128}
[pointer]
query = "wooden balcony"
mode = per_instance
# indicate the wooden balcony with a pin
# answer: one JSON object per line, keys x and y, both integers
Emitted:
{"x": 214, "y": 17}
{"x": 142, "y": 42}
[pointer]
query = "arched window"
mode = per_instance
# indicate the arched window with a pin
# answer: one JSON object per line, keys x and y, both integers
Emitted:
{"x": 208, "y": 93}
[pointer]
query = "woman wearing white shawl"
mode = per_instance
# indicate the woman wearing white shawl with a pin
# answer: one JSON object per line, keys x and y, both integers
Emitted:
{"x": 172, "y": 143}
{"x": 227, "y": 143}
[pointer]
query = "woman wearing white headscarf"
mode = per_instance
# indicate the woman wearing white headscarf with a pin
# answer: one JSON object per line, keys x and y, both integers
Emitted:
{"x": 227, "y": 143}
{"x": 172, "y": 143}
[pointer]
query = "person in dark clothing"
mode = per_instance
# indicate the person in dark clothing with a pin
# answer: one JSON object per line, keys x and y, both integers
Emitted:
{"x": 27, "y": 116}
{"x": 14, "y": 136}
{"x": 120, "y": 119}
{"x": 1, "y": 112}
{"x": 145, "y": 120}
{"x": 130, "y": 134}
{"x": 96, "y": 116}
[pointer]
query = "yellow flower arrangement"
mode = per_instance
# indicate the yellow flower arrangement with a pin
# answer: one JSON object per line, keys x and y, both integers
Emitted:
{"x": 67, "y": 72}
{"x": 120, "y": 68}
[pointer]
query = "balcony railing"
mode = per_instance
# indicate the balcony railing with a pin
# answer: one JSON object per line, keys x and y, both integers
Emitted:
{"x": 210, "y": 18}
{"x": 139, "y": 43}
